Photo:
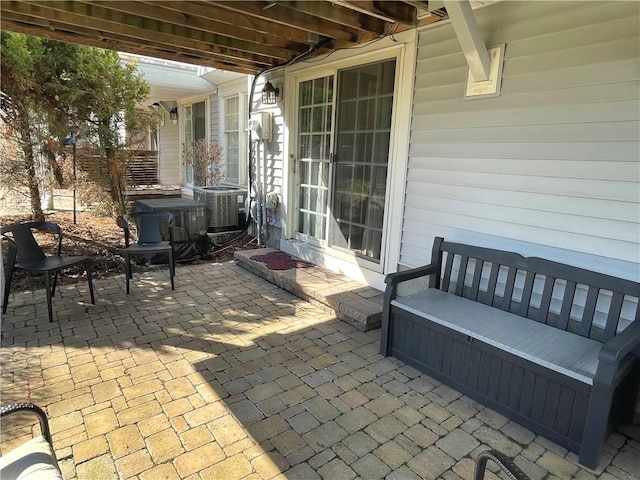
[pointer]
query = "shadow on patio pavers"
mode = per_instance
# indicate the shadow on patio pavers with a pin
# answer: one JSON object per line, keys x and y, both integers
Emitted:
{"x": 231, "y": 377}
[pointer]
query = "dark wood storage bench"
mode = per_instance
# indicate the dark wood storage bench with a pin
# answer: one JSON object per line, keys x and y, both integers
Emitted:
{"x": 554, "y": 347}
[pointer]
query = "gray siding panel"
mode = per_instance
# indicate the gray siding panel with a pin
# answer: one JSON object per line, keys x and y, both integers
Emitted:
{"x": 213, "y": 119}
{"x": 541, "y": 115}
{"x": 549, "y": 168}
{"x": 577, "y": 132}
{"x": 525, "y": 98}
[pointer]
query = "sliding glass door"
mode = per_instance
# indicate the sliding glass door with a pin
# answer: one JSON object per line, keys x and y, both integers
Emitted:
{"x": 343, "y": 159}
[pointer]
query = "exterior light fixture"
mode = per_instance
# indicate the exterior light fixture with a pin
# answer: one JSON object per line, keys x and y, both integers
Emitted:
{"x": 270, "y": 94}
{"x": 173, "y": 115}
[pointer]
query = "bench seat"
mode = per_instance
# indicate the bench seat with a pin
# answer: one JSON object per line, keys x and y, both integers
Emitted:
{"x": 560, "y": 351}
{"x": 552, "y": 346}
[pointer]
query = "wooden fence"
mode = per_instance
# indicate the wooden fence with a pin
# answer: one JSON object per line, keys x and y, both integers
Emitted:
{"x": 142, "y": 166}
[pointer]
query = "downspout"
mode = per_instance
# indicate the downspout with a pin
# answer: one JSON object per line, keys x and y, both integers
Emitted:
{"x": 297, "y": 59}
{"x": 258, "y": 193}
{"x": 263, "y": 199}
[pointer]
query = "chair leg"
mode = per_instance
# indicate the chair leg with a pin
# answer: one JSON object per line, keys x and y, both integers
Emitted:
{"x": 47, "y": 284}
{"x": 87, "y": 268}
{"x": 8, "y": 277}
{"x": 127, "y": 270}
{"x": 55, "y": 282}
{"x": 172, "y": 268}
{"x": 598, "y": 414}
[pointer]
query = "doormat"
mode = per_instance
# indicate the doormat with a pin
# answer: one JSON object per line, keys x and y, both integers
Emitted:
{"x": 280, "y": 261}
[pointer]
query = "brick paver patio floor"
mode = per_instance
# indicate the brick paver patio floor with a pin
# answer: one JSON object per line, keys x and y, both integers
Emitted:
{"x": 230, "y": 377}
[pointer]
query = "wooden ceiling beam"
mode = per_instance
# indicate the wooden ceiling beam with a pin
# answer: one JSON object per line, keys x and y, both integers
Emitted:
{"x": 145, "y": 30}
{"x": 393, "y": 12}
{"x": 71, "y": 36}
{"x": 124, "y": 41}
{"x": 336, "y": 13}
{"x": 293, "y": 19}
{"x": 184, "y": 15}
{"x": 235, "y": 21}
{"x": 244, "y": 36}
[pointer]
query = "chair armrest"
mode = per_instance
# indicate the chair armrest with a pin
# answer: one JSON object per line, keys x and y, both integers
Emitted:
{"x": 392, "y": 280}
{"x": 399, "y": 277}
{"x": 505, "y": 463}
{"x": 614, "y": 350}
{"x": 13, "y": 408}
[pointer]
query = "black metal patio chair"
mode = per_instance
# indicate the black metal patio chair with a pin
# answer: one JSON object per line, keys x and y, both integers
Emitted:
{"x": 25, "y": 254}
{"x": 150, "y": 241}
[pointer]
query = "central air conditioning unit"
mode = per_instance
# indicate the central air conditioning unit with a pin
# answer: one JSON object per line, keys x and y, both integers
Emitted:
{"x": 226, "y": 204}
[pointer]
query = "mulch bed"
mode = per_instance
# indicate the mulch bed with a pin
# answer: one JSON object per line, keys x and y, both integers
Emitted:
{"x": 103, "y": 240}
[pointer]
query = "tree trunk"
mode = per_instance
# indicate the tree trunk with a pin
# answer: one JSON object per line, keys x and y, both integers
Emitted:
{"x": 115, "y": 170}
{"x": 30, "y": 167}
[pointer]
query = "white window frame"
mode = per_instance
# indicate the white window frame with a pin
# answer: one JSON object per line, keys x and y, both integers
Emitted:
{"x": 182, "y": 116}
{"x": 238, "y": 88}
{"x": 241, "y": 130}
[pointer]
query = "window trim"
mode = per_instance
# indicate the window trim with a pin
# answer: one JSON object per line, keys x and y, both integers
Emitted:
{"x": 237, "y": 88}
{"x": 240, "y": 130}
{"x": 181, "y": 131}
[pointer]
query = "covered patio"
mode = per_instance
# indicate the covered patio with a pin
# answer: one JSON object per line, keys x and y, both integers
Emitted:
{"x": 230, "y": 376}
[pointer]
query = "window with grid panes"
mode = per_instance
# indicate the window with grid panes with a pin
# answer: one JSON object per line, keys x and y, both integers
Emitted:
{"x": 195, "y": 128}
{"x": 232, "y": 138}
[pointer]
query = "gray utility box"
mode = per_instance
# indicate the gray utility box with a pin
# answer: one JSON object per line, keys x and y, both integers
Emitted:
{"x": 226, "y": 204}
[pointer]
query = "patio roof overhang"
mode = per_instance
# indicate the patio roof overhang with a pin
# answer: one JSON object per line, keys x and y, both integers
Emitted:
{"x": 241, "y": 36}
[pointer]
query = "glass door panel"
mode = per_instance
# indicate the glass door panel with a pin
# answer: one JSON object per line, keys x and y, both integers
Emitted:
{"x": 188, "y": 138}
{"x": 315, "y": 111}
{"x": 363, "y": 130}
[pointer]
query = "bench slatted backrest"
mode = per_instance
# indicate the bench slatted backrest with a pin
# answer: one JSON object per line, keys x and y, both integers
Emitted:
{"x": 569, "y": 298}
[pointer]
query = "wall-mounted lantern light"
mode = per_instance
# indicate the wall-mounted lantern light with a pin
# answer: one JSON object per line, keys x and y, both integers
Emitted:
{"x": 270, "y": 94}
{"x": 173, "y": 115}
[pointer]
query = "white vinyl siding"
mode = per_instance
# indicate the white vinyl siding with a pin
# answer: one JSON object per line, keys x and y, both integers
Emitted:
{"x": 549, "y": 168}
{"x": 275, "y": 161}
{"x": 169, "y": 153}
{"x": 214, "y": 128}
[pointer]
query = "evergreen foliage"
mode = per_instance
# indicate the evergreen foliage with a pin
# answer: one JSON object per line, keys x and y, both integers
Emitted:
{"x": 54, "y": 92}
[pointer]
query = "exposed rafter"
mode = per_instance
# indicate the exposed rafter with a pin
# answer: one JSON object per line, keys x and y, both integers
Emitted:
{"x": 390, "y": 12}
{"x": 241, "y": 36}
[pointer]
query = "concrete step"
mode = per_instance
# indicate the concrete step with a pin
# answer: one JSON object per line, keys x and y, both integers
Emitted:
{"x": 355, "y": 303}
